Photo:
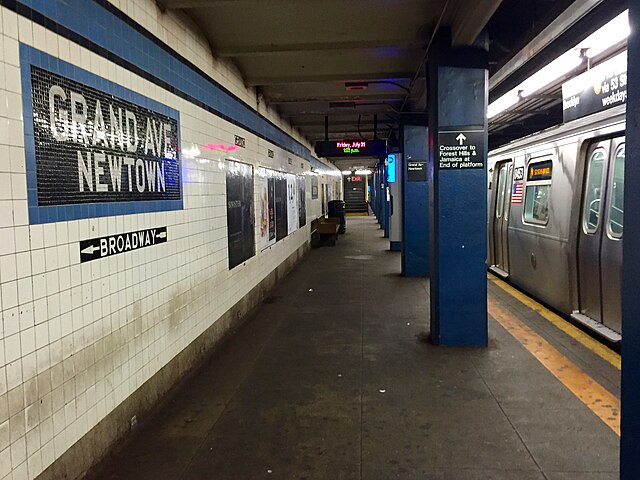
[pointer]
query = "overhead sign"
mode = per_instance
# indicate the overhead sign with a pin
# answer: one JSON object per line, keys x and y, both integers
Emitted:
{"x": 355, "y": 148}
{"x": 102, "y": 247}
{"x": 353, "y": 178}
{"x": 94, "y": 147}
{"x": 600, "y": 88}
{"x": 462, "y": 148}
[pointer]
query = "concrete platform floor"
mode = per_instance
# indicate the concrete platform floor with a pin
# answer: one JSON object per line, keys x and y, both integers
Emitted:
{"x": 329, "y": 381}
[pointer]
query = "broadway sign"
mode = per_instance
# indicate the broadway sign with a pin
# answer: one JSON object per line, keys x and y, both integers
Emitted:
{"x": 102, "y": 247}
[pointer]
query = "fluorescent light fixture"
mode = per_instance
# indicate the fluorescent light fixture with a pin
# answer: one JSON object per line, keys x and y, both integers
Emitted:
{"x": 503, "y": 103}
{"x": 550, "y": 73}
{"x": 607, "y": 36}
{"x": 346, "y": 172}
{"x": 599, "y": 41}
{"x": 363, "y": 172}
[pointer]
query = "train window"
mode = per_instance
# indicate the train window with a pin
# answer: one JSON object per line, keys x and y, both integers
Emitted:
{"x": 616, "y": 208}
{"x": 593, "y": 191}
{"x": 502, "y": 178}
{"x": 538, "y": 192}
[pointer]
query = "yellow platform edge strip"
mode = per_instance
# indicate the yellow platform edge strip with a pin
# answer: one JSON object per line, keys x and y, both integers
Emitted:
{"x": 596, "y": 347}
{"x": 599, "y": 400}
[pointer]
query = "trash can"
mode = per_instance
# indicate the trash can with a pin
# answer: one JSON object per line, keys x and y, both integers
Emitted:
{"x": 336, "y": 210}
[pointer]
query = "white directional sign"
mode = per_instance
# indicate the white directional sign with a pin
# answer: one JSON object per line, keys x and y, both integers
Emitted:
{"x": 461, "y": 149}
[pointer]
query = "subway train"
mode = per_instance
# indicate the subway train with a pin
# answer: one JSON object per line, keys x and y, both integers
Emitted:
{"x": 556, "y": 218}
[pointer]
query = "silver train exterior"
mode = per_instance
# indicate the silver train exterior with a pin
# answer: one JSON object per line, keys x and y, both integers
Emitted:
{"x": 556, "y": 217}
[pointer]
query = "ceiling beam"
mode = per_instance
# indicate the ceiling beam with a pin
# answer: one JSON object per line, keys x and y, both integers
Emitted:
{"x": 174, "y": 4}
{"x": 274, "y": 49}
{"x": 365, "y": 120}
{"x": 338, "y": 97}
{"x": 470, "y": 18}
{"x": 288, "y": 79}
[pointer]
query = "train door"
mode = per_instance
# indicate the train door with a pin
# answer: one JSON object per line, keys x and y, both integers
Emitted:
{"x": 500, "y": 218}
{"x": 611, "y": 254}
{"x": 599, "y": 243}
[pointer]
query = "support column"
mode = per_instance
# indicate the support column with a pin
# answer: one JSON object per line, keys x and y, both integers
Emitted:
{"x": 415, "y": 198}
{"x": 630, "y": 391}
{"x": 457, "y": 103}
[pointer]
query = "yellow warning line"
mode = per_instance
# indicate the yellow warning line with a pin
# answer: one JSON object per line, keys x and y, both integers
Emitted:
{"x": 601, "y": 402}
{"x": 596, "y": 347}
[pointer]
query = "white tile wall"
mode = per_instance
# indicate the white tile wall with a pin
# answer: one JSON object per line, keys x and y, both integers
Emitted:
{"x": 76, "y": 340}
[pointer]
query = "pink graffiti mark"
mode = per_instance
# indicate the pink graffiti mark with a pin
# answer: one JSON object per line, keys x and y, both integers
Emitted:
{"x": 221, "y": 147}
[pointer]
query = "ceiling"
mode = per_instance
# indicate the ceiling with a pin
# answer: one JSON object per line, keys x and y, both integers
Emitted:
{"x": 299, "y": 54}
{"x": 302, "y": 55}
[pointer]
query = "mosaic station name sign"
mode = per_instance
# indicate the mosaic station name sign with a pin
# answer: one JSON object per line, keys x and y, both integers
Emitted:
{"x": 94, "y": 147}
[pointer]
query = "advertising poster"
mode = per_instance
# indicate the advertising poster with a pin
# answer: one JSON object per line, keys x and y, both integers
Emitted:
{"x": 292, "y": 204}
{"x": 314, "y": 188}
{"x": 271, "y": 185}
{"x": 302, "y": 202}
{"x": 240, "y": 215}
{"x": 281, "y": 206}
{"x": 266, "y": 214}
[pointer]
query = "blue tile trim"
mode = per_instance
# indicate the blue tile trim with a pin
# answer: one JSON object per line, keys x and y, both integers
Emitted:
{"x": 30, "y": 56}
{"x": 112, "y": 34}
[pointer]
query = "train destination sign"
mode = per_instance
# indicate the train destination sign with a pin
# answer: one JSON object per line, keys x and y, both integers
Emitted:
{"x": 102, "y": 247}
{"x": 600, "y": 88}
{"x": 540, "y": 171}
{"x": 95, "y": 147}
{"x": 351, "y": 148}
{"x": 461, "y": 149}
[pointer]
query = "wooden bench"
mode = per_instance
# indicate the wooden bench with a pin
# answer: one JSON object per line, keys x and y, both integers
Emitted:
{"x": 324, "y": 231}
{"x": 328, "y": 232}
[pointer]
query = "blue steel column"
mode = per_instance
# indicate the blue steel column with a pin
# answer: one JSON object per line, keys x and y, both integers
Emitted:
{"x": 457, "y": 100}
{"x": 630, "y": 391}
{"x": 376, "y": 187}
{"x": 415, "y": 204}
{"x": 374, "y": 192}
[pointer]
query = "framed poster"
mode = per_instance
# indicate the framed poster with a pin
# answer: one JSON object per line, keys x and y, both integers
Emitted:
{"x": 240, "y": 215}
{"x": 280, "y": 200}
{"x": 292, "y": 204}
{"x": 265, "y": 184}
{"x": 302, "y": 201}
